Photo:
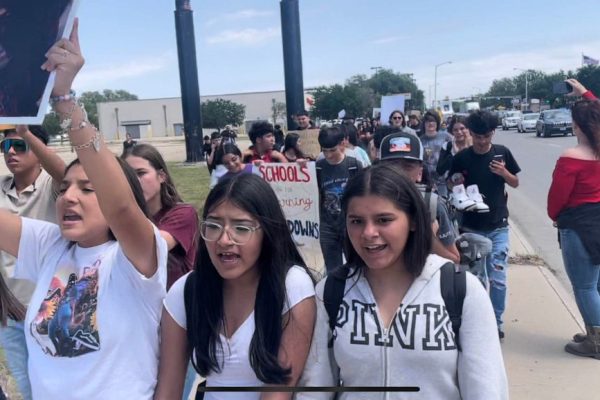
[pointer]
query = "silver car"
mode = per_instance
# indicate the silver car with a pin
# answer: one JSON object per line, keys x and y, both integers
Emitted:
{"x": 527, "y": 123}
{"x": 510, "y": 120}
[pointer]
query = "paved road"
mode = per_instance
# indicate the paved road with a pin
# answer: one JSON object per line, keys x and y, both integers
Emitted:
{"x": 527, "y": 204}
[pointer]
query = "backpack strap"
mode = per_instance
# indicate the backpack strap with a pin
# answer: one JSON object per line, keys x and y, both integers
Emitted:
{"x": 453, "y": 286}
{"x": 333, "y": 293}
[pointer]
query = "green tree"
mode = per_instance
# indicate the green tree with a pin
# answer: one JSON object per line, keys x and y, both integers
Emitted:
{"x": 278, "y": 110}
{"x": 52, "y": 124}
{"x": 218, "y": 113}
{"x": 502, "y": 87}
{"x": 91, "y": 99}
{"x": 359, "y": 95}
{"x": 589, "y": 76}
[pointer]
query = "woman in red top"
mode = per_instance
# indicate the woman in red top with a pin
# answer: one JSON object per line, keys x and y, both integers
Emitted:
{"x": 574, "y": 204}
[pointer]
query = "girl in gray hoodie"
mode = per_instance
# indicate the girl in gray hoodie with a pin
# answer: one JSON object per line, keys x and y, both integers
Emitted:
{"x": 392, "y": 327}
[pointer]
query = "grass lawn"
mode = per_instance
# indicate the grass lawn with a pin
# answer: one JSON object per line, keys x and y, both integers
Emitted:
{"x": 192, "y": 182}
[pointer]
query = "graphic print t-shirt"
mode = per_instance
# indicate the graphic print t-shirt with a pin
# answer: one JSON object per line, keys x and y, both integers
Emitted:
{"x": 93, "y": 319}
{"x": 333, "y": 180}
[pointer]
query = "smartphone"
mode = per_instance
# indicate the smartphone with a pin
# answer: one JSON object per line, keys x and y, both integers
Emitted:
{"x": 561, "y": 87}
{"x": 499, "y": 158}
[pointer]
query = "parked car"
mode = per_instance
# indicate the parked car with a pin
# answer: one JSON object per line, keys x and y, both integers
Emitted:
{"x": 528, "y": 122}
{"x": 511, "y": 119}
{"x": 552, "y": 122}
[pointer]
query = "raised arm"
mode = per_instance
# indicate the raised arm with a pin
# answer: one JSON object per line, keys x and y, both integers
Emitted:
{"x": 51, "y": 162}
{"x": 115, "y": 197}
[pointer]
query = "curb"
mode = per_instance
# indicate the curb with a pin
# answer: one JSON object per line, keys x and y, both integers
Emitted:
{"x": 565, "y": 298}
{"x": 520, "y": 237}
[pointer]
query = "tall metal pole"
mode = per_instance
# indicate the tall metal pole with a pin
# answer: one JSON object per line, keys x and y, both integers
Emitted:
{"x": 292, "y": 59}
{"x": 526, "y": 86}
{"x": 435, "y": 82}
{"x": 188, "y": 79}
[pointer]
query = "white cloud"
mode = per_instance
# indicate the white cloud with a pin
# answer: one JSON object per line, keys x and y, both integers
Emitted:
{"x": 248, "y": 36}
{"x": 240, "y": 15}
{"x": 387, "y": 39}
{"x": 94, "y": 77}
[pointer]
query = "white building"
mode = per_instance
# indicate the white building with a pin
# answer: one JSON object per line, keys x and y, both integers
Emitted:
{"x": 164, "y": 117}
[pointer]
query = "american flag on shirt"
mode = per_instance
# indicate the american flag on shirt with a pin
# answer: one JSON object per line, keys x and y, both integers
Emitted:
{"x": 589, "y": 60}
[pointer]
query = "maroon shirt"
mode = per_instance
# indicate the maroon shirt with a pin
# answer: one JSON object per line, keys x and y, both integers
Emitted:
{"x": 181, "y": 222}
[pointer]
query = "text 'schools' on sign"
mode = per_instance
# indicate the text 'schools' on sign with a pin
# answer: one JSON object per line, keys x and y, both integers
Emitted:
{"x": 296, "y": 188}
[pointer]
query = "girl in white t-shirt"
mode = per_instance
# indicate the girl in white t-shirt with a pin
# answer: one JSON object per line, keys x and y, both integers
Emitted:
{"x": 250, "y": 310}
{"x": 92, "y": 323}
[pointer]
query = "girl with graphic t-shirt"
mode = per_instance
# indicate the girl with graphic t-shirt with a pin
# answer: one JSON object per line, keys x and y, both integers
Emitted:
{"x": 392, "y": 327}
{"x": 92, "y": 322}
{"x": 247, "y": 312}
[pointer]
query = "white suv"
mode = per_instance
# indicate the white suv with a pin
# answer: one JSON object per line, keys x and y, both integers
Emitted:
{"x": 511, "y": 119}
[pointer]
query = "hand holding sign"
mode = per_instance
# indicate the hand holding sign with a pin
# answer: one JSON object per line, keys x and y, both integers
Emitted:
{"x": 65, "y": 58}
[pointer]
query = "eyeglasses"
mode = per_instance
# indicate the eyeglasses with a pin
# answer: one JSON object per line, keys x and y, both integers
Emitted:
{"x": 18, "y": 145}
{"x": 396, "y": 117}
{"x": 239, "y": 234}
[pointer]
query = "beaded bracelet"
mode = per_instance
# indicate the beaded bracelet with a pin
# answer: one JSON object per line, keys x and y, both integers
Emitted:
{"x": 66, "y": 97}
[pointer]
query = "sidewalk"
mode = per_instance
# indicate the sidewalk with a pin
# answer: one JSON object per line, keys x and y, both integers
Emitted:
{"x": 540, "y": 319}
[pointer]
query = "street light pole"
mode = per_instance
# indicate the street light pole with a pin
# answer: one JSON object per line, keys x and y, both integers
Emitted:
{"x": 376, "y": 69}
{"x": 435, "y": 82}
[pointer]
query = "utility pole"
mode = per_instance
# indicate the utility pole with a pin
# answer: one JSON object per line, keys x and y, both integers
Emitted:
{"x": 292, "y": 59}
{"x": 188, "y": 79}
{"x": 435, "y": 82}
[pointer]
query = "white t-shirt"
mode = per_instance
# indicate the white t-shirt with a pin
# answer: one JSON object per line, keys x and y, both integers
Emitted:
{"x": 236, "y": 369}
{"x": 93, "y": 321}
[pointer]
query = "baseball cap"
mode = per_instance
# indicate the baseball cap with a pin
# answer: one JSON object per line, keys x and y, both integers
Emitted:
{"x": 401, "y": 145}
{"x": 7, "y": 128}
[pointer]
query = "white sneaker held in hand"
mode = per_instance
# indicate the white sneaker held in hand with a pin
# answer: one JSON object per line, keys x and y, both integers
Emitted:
{"x": 473, "y": 194}
{"x": 460, "y": 200}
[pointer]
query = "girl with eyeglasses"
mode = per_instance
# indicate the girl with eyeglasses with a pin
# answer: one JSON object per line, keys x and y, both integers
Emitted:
{"x": 247, "y": 312}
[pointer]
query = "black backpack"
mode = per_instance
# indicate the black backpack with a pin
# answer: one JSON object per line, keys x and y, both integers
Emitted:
{"x": 453, "y": 286}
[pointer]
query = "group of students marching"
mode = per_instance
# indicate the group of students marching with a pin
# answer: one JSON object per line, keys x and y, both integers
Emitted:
{"x": 101, "y": 324}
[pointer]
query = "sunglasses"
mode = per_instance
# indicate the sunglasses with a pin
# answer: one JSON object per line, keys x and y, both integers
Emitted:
{"x": 396, "y": 117}
{"x": 18, "y": 145}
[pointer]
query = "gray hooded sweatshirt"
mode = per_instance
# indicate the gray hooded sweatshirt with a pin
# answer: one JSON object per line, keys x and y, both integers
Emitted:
{"x": 417, "y": 349}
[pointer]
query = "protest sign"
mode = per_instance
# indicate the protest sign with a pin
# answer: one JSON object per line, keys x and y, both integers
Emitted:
{"x": 296, "y": 188}
{"x": 310, "y": 142}
{"x": 28, "y": 28}
{"x": 390, "y": 104}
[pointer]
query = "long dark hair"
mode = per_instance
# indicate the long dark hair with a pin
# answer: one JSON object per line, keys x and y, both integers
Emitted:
{"x": 10, "y": 307}
{"x": 388, "y": 182}
{"x": 586, "y": 114}
{"x": 134, "y": 184}
{"x": 169, "y": 196}
{"x": 291, "y": 142}
{"x": 278, "y": 254}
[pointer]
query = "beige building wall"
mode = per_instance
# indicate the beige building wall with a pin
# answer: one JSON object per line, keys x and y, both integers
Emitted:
{"x": 164, "y": 117}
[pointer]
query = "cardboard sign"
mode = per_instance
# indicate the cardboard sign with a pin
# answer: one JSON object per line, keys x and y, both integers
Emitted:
{"x": 298, "y": 194}
{"x": 28, "y": 28}
{"x": 310, "y": 142}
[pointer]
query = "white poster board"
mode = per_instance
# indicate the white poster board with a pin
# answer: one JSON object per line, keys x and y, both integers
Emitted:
{"x": 24, "y": 87}
{"x": 298, "y": 194}
{"x": 389, "y": 104}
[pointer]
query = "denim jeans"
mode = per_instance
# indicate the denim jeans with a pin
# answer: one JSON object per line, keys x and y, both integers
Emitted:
{"x": 331, "y": 238}
{"x": 12, "y": 341}
{"x": 496, "y": 265}
{"x": 190, "y": 378}
{"x": 583, "y": 274}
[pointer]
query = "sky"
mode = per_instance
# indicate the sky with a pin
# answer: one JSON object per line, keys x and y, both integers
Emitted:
{"x": 131, "y": 44}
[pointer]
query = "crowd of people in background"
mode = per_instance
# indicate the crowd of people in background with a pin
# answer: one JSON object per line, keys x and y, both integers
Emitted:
{"x": 130, "y": 294}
